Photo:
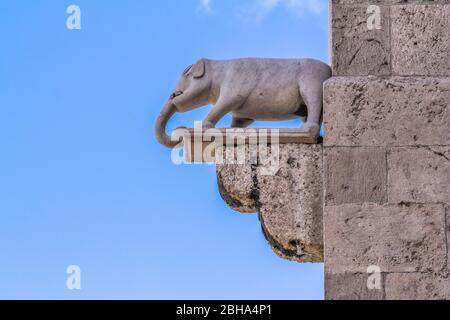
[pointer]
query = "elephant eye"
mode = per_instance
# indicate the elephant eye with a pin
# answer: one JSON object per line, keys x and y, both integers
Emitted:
{"x": 185, "y": 72}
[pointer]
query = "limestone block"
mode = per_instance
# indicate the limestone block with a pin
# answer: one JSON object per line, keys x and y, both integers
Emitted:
{"x": 351, "y": 286}
{"x": 447, "y": 227}
{"x": 413, "y": 39}
{"x": 395, "y": 286}
{"x": 355, "y": 175}
{"x": 397, "y": 111}
{"x": 396, "y": 238}
{"x": 419, "y": 174}
{"x": 289, "y": 200}
{"x": 421, "y": 40}
{"x": 390, "y": 2}
{"x": 417, "y": 286}
{"x": 356, "y": 50}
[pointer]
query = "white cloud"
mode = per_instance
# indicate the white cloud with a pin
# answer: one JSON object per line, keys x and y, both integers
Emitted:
{"x": 205, "y": 6}
{"x": 260, "y": 8}
{"x": 298, "y": 6}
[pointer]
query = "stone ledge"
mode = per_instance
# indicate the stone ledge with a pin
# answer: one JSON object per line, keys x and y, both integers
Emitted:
{"x": 200, "y": 146}
{"x": 289, "y": 201}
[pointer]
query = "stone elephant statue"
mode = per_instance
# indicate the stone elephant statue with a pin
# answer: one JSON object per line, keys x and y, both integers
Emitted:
{"x": 250, "y": 89}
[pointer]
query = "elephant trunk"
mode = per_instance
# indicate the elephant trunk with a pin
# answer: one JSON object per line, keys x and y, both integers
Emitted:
{"x": 161, "y": 123}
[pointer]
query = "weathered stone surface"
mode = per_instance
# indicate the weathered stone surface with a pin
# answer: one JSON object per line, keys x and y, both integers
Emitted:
{"x": 419, "y": 174}
{"x": 289, "y": 201}
{"x": 417, "y": 286}
{"x": 390, "y": 2}
{"x": 404, "y": 230}
{"x": 396, "y": 238}
{"x": 356, "y": 50}
{"x": 350, "y": 286}
{"x": 421, "y": 40}
{"x": 355, "y": 175}
{"x": 417, "y": 30}
{"x": 447, "y": 227}
{"x": 397, "y": 111}
{"x": 236, "y": 183}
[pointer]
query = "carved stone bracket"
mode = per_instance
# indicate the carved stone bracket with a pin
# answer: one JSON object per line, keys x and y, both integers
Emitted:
{"x": 287, "y": 194}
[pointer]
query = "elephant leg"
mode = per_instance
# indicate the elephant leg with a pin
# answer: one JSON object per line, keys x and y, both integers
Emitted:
{"x": 222, "y": 107}
{"x": 313, "y": 98}
{"x": 241, "y": 123}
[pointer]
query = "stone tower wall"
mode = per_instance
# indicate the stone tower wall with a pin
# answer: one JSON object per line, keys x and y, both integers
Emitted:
{"x": 387, "y": 151}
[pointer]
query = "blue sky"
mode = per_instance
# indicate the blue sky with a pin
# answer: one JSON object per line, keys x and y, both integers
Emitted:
{"x": 83, "y": 181}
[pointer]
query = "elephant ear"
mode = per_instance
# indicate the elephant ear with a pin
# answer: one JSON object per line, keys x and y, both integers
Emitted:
{"x": 198, "y": 70}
